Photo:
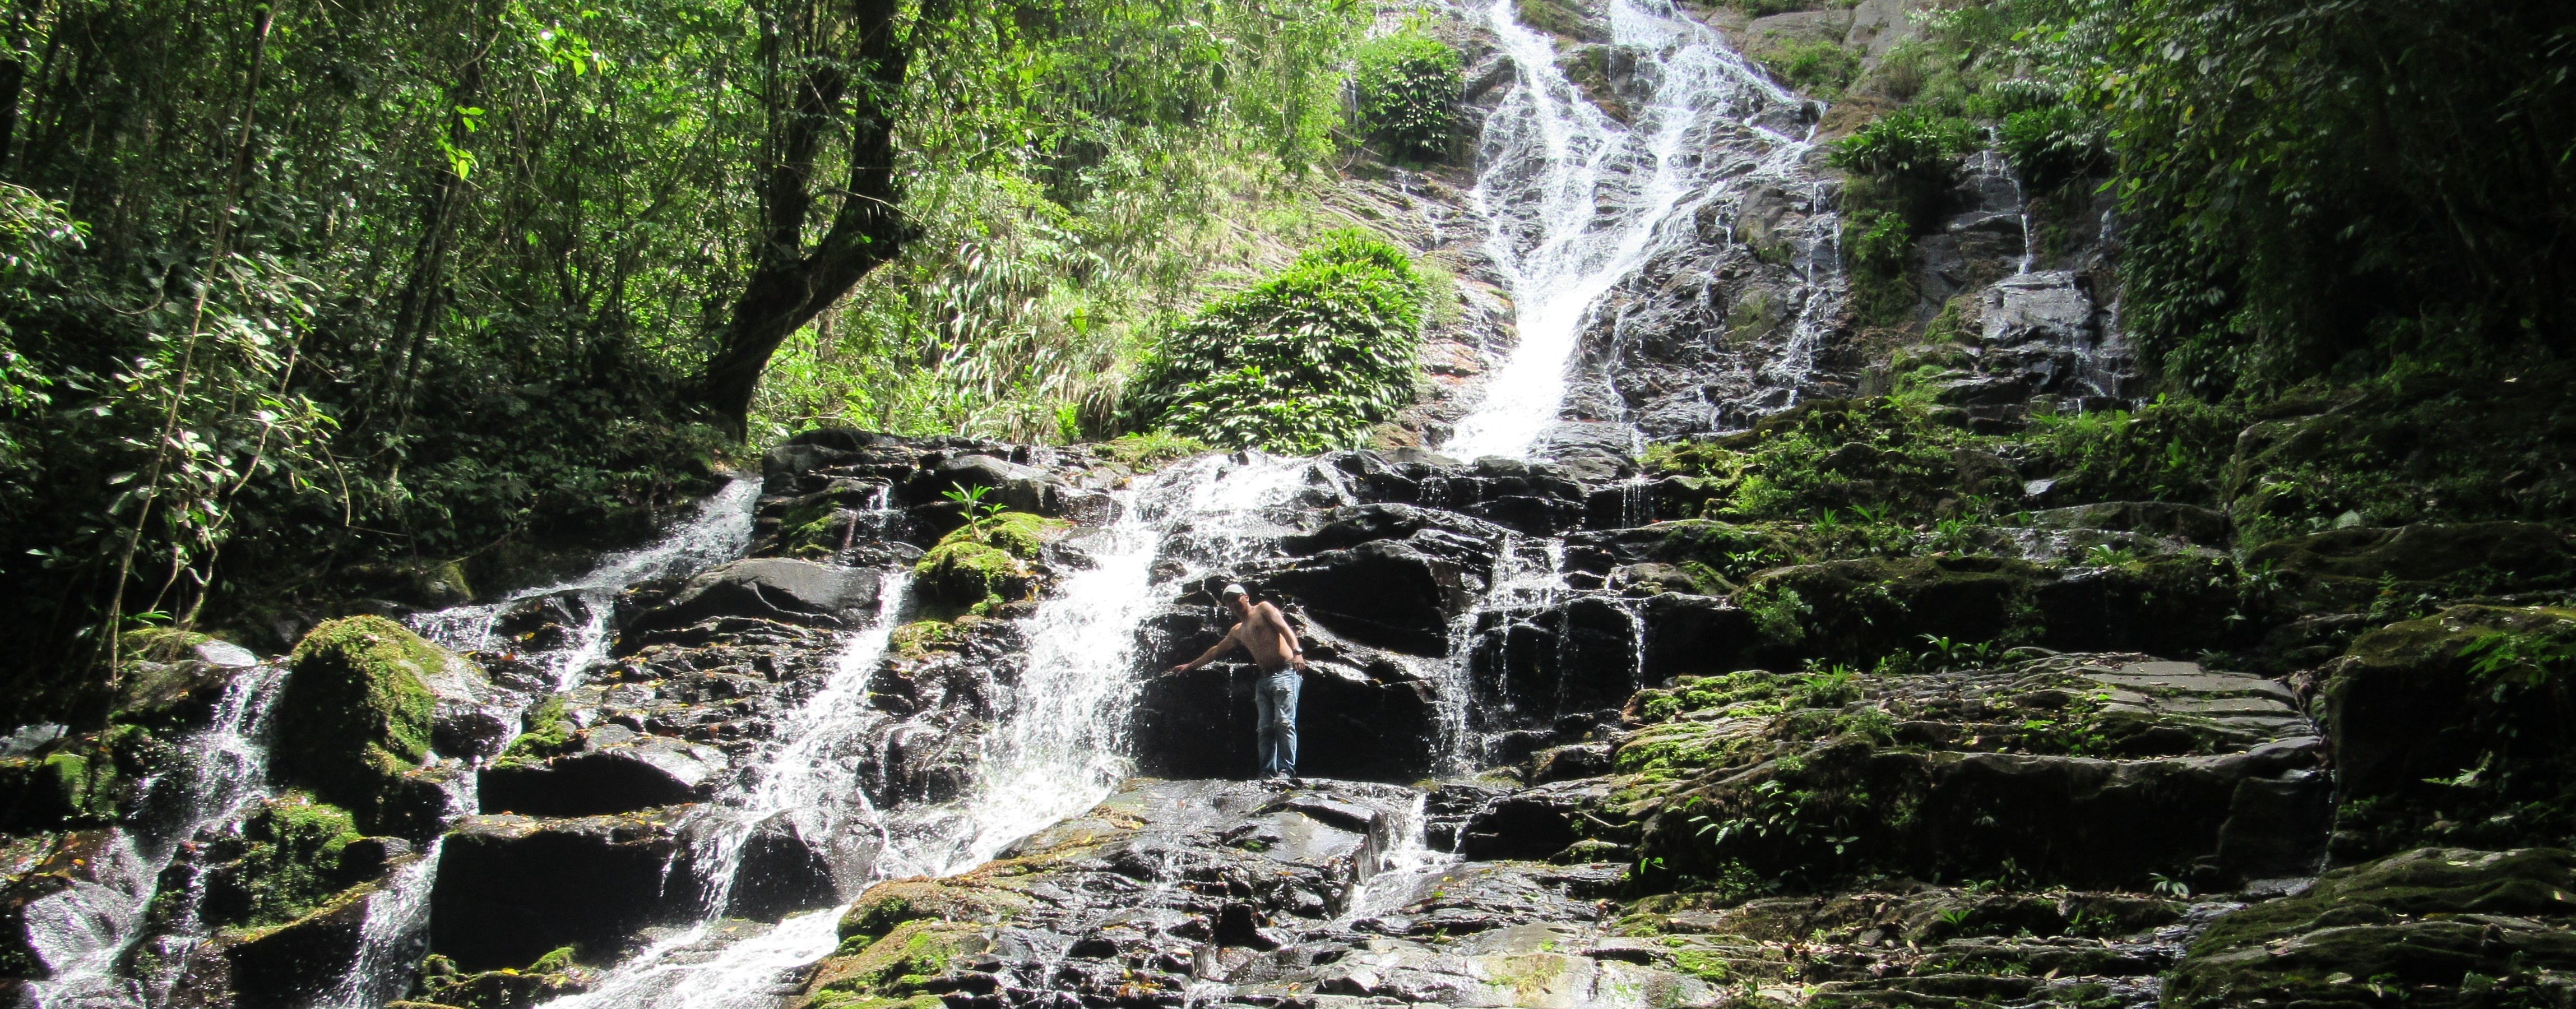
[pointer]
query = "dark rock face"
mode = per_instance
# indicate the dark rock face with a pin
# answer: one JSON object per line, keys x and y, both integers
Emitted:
{"x": 512, "y": 888}
{"x": 1531, "y": 668}
{"x": 620, "y": 777}
{"x": 2345, "y": 569}
{"x": 768, "y": 588}
{"x": 2431, "y": 749}
{"x": 1381, "y": 592}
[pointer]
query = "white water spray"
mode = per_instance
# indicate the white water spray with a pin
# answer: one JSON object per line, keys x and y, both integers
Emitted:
{"x": 82, "y": 933}
{"x": 716, "y": 534}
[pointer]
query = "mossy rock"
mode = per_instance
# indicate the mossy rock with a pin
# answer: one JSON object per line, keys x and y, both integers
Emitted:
{"x": 891, "y": 971}
{"x": 2430, "y": 747}
{"x": 2431, "y": 927}
{"x": 357, "y": 710}
{"x": 286, "y": 862}
{"x": 966, "y": 573}
{"x": 2350, "y": 569}
{"x": 888, "y": 905}
{"x": 1020, "y": 534}
{"x": 546, "y": 733}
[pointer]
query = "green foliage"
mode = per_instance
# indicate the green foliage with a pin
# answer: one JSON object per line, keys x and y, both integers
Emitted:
{"x": 1408, "y": 85}
{"x": 2305, "y": 183}
{"x": 1080, "y": 172}
{"x": 1912, "y": 143}
{"x": 1308, "y": 360}
{"x": 2170, "y": 449}
{"x": 1147, "y": 450}
{"x": 1818, "y": 67}
{"x": 2051, "y": 144}
{"x": 1778, "y": 611}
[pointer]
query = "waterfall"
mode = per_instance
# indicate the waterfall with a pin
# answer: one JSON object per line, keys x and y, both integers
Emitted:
{"x": 1575, "y": 201}
{"x": 83, "y": 933}
{"x": 716, "y": 534}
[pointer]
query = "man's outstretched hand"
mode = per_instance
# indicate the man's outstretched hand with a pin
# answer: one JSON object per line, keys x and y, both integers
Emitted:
{"x": 1177, "y": 670}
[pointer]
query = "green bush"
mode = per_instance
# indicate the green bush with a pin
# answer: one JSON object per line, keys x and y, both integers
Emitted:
{"x": 1408, "y": 85}
{"x": 2051, "y": 144}
{"x": 1305, "y": 361}
{"x": 1910, "y": 143}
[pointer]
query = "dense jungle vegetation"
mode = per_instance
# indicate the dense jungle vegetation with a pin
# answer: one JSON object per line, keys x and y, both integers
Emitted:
{"x": 306, "y": 299}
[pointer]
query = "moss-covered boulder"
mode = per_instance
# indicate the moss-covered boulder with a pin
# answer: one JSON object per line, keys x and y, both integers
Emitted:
{"x": 357, "y": 713}
{"x": 287, "y": 859}
{"x": 2436, "y": 927}
{"x": 2455, "y": 728}
{"x": 2351, "y": 569}
{"x": 2136, "y": 766}
{"x": 987, "y": 559}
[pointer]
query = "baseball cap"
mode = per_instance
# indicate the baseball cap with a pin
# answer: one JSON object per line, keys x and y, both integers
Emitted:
{"x": 1231, "y": 590}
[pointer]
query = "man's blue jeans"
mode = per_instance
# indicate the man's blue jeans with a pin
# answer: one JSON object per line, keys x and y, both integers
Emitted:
{"x": 1275, "y": 694}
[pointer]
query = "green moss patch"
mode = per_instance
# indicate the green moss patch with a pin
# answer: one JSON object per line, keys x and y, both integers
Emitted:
{"x": 356, "y": 710}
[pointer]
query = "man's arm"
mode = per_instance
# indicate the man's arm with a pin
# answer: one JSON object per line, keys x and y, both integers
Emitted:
{"x": 1296, "y": 649}
{"x": 1222, "y": 646}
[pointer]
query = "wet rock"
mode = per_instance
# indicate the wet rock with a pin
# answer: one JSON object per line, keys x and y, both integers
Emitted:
{"x": 1163, "y": 880}
{"x": 779, "y": 873}
{"x": 619, "y": 777}
{"x": 1531, "y": 668}
{"x": 1534, "y": 824}
{"x": 2433, "y": 926}
{"x": 512, "y": 888}
{"x": 1385, "y": 593}
{"x": 1470, "y": 543}
{"x": 768, "y": 588}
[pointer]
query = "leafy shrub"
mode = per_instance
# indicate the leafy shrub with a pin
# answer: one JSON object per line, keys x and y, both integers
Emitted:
{"x": 1305, "y": 361}
{"x": 1408, "y": 85}
{"x": 2051, "y": 144}
{"x": 1908, "y": 143}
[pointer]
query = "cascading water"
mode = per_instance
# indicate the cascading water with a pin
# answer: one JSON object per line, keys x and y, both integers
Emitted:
{"x": 716, "y": 534}
{"x": 83, "y": 933}
{"x": 1576, "y": 200}
{"x": 1058, "y": 749}
{"x": 1062, "y": 746}
{"x": 811, "y": 776}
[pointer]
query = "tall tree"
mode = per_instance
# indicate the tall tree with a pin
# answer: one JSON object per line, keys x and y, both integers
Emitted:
{"x": 831, "y": 66}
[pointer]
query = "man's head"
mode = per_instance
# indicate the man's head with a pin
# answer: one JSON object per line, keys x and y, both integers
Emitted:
{"x": 1235, "y": 598}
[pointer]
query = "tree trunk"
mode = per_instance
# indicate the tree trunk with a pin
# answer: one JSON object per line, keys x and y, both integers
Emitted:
{"x": 791, "y": 282}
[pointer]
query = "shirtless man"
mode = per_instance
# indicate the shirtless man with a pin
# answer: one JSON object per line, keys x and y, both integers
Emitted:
{"x": 1262, "y": 630}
